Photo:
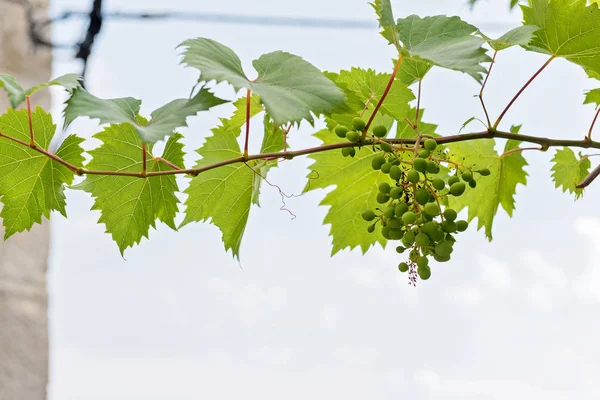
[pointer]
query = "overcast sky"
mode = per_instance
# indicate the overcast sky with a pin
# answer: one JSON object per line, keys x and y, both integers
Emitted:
{"x": 181, "y": 319}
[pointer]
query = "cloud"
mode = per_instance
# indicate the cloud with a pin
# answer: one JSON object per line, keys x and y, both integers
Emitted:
{"x": 494, "y": 273}
{"x": 587, "y": 284}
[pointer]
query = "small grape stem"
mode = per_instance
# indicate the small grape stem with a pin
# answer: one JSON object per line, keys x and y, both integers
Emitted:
{"x": 539, "y": 71}
{"x": 589, "y": 135}
{"x": 144, "y": 159}
{"x": 367, "y": 105}
{"x": 418, "y": 105}
{"x": 167, "y": 162}
{"x": 30, "y": 120}
{"x": 487, "y": 116}
{"x": 521, "y": 149}
{"x": 383, "y": 96}
{"x": 248, "y": 101}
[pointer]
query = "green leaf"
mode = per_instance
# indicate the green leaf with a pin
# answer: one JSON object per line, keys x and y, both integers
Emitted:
{"x": 224, "y": 195}
{"x": 569, "y": 29}
{"x": 124, "y": 110}
{"x": 412, "y": 70}
{"x": 129, "y": 206}
{"x": 444, "y": 41}
{"x": 520, "y": 36}
{"x": 592, "y": 97}
{"x": 370, "y": 86}
{"x": 383, "y": 9}
{"x": 570, "y": 169}
{"x": 289, "y": 87}
{"x": 499, "y": 188}
{"x": 403, "y": 130}
{"x": 272, "y": 142}
{"x": 355, "y": 191}
{"x": 31, "y": 184}
{"x": 17, "y": 95}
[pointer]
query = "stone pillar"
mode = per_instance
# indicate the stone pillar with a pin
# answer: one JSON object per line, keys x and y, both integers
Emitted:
{"x": 23, "y": 258}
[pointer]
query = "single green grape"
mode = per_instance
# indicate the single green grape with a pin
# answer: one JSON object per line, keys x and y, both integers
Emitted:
{"x": 413, "y": 176}
{"x": 467, "y": 176}
{"x": 462, "y": 225}
{"x": 413, "y": 255}
{"x": 384, "y": 187}
{"x": 396, "y": 192}
{"x": 424, "y": 272}
{"x": 484, "y": 172}
{"x": 432, "y": 167}
{"x": 341, "y": 131}
{"x": 368, "y": 215}
{"x": 359, "y": 124}
{"x": 422, "y": 262}
{"x": 353, "y": 136}
{"x": 377, "y": 162}
{"x": 473, "y": 184}
{"x": 422, "y": 240}
{"x": 389, "y": 212}
{"x": 438, "y": 184}
{"x": 449, "y": 227}
{"x": 420, "y": 165}
{"x": 348, "y": 151}
{"x": 458, "y": 188}
{"x": 452, "y": 180}
{"x": 450, "y": 214}
{"x": 431, "y": 209}
{"x": 382, "y": 198}
{"x": 386, "y": 168}
{"x": 424, "y": 153}
{"x": 422, "y": 196}
{"x": 395, "y": 223}
{"x": 395, "y": 172}
{"x": 409, "y": 237}
{"x": 403, "y": 267}
{"x": 409, "y": 218}
{"x": 443, "y": 249}
{"x": 386, "y": 147}
{"x": 400, "y": 249}
{"x": 371, "y": 228}
{"x": 401, "y": 208}
{"x": 442, "y": 259}
{"x": 430, "y": 144}
{"x": 380, "y": 131}
{"x": 385, "y": 232}
{"x": 396, "y": 234}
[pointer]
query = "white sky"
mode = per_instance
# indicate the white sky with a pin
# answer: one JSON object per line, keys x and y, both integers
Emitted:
{"x": 515, "y": 319}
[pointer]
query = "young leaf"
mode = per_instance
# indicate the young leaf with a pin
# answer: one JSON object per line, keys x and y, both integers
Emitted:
{"x": 507, "y": 171}
{"x": 355, "y": 191}
{"x": 592, "y": 97}
{"x": 520, "y": 36}
{"x": 444, "y": 41}
{"x": 569, "y": 29}
{"x": 289, "y": 87}
{"x": 383, "y": 9}
{"x": 124, "y": 110}
{"x": 129, "y": 206}
{"x": 569, "y": 170}
{"x": 16, "y": 94}
{"x": 224, "y": 195}
{"x": 412, "y": 70}
{"x": 31, "y": 184}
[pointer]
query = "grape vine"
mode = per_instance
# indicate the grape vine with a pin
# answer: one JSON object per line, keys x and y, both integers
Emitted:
{"x": 396, "y": 178}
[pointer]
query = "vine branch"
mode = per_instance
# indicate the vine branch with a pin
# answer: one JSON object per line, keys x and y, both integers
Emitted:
{"x": 487, "y": 116}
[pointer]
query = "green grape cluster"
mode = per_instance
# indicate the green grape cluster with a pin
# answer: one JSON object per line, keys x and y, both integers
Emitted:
{"x": 410, "y": 204}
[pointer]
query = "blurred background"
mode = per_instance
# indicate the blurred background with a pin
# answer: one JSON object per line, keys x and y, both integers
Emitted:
{"x": 178, "y": 318}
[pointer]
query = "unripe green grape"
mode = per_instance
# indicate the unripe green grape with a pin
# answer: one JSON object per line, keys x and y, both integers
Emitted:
{"x": 425, "y": 251}
{"x": 427, "y": 217}
{"x": 422, "y": 196}
{"x": 353, "y": 136}
{"x": 458, "y": 188}
{"x": 396, "y": 192}
{"x": 450, "y": 239}
{"x": 348, "y": 151}
{"x": 409, "y": 237}
{"x": 413, "y": 176}
{"x": 431, "y": 209}
{"x": 449, "y": 227}
{"x": 382, "y": 198}
{"x": 384, "y": 187}
{"x": 380, "y": 131}
{"x": 430, "y": 144}
{"x": 450, "y": 214}
{"x": 401, "y": 208}
{"x": 368, "y": 215}
{"x": 395, "y": 223}
{"x": 438, "y": 184}
{"x": 420, "y": 165}
{"x": 484, "y": 172}
{"x": 396, "y": 234}
{"x": 400, "y": 249}
{"x": 467, "y": 176}
{"x": 422, "y": 239}
{"x": 441, "y": 259}
{"x": 430, "y": 229}
{"x": 377, "y": 162}
{"x": 432, "y": 167}
{"x": 439, "y": 235}
{"x": 413, "y": 255}
{"x": 409, "y": 218}
{"x": 341, "y": 131}
{"x": 386, "y": 147}
{"x": 395, "y": 161}
{"x": 385, "y": 232}
{"x": 422, "y": 262}
{"x": 424, "y": 153}
{"x": 389, "y": 212}
{"x": 403, "y": 267}
{"x": 385, "y": 168}
{"x": 395, "y": 172}
{"x": 443, "y": 249}
{"x": 452, "y": 180}
{"x": 358, "y": 124}
{"x": 462, "y": 225}
{"x": 473, "y": 184}
{"x": 371, "y": 228}
{"x": 424, "y": 273}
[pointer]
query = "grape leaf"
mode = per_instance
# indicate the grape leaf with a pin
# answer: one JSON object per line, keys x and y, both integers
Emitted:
{"x": 289, "y": 87}
{"x": 403, "y": 130}
{"x": 355, "y": 191}
{"x": 31, "y": 184}
{"x": 412, "y": 70}
{"x": 569, "y": 29}
{"x": 592, "y": 97}
{"x": 129, "y": 206}
{"x": 499, "y": 188}
{"x": 369, "y": 86}
{"x": 569, "y": 170}
{"x": 383, "y": 9}
{"x": 224, "y": 195}
{"x": 519, "y": 36}
{"x": 444, "y": 41}
{"x": 16, "y": 94}
{"x": 163, "y": 122}
{"x": 272, "y": 142}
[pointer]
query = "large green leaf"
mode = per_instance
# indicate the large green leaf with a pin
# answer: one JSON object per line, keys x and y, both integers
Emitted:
{"x": 163, "y": 122}
{"x": 290, "y": 87}
{"x": 569, "y": 29}
{"x": 499, "y": 188}
{"x": 569, "y": 169}
{"x": 16, "y": 94}
{"x": 383, "y": 9}
{"x": 31, "y": 184}
{"x": 592, "y": 97}
{"x": 448, "y": 42}
{"x": 129, "y": 206}
{"x": 224, "y": 195}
